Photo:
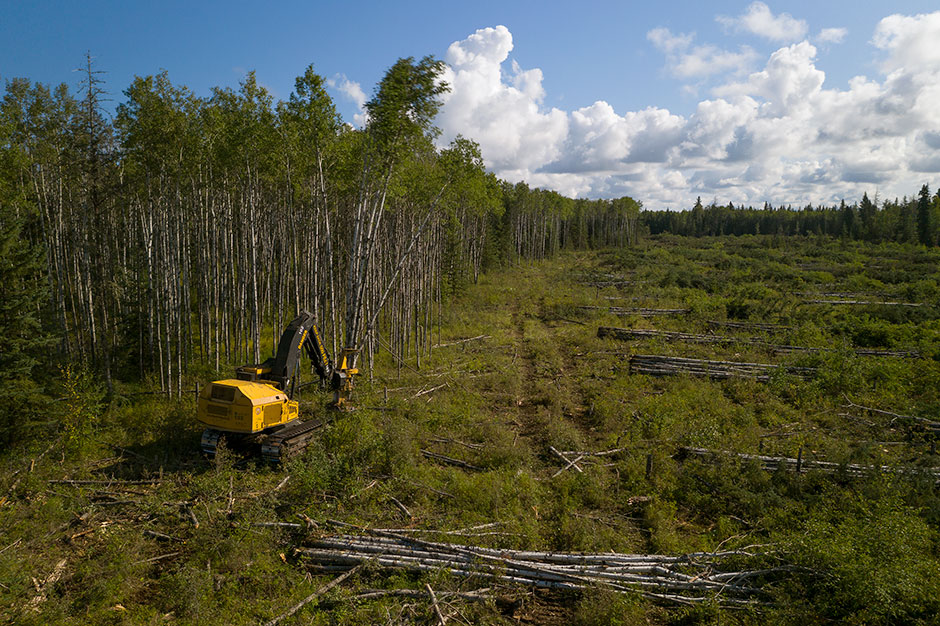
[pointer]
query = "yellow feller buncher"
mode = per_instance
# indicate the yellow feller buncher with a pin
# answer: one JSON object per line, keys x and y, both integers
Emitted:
{"x": 255, "y": 408}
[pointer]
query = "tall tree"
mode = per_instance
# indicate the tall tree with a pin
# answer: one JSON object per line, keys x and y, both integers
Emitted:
{"x": 400, "y": 114}
{"x": 923, "y": 217}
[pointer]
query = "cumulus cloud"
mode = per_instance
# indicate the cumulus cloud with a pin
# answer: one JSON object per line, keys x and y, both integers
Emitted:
{"x": 759, "y": 20}
{"x": 910, "y": 41}
{"x": 502, "y": 111}
{"x": 778, "y": 134}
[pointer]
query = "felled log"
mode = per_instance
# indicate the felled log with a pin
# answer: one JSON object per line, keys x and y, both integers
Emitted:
{"x": 660, "y": 365}
{"x": 774, "y": 463}
{"x": 629, "y": 334}
{"x": 640, "y": 311}
{"x": 750, "y": 325}
{"x": 450, "y": 461}
{"x": 682, "y": 579}
{"x": 864, "y": 303}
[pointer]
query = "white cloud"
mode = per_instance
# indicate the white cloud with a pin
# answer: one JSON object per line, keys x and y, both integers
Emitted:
{"x": 351, "y": 90}
{"x": 759, "y": 20}
{"x": 777, "y": 134}
{"x": 832, "y": 35}
{"x": 501, "y": 112}
{"x": 686, "y": 61}
{"x": 909, "y": 40}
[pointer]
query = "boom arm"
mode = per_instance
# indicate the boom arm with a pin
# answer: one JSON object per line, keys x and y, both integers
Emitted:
{"x": 301, "y": 334}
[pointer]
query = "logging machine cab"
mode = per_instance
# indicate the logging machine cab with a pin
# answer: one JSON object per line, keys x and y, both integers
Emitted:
{"x": 259, "y": 397}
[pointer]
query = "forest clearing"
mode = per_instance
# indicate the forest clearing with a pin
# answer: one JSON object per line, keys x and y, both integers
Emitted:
{"x": 516, "y": 406}
{"x": 519, "y": 469}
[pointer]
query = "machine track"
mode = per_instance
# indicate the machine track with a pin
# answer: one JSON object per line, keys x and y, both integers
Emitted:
{"x": 275, "y": 446}
{"x": 290, "y": 440}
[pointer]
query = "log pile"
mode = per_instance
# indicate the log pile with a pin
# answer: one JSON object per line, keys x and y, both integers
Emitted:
{"x": 687, "y": 579}
{"x": 629, "y": 334}
{"x": 799, "y": 464}
{"x": 641, "y": 311}
{"x": 863, "y": 302}
{"x": 660, "y": 365}
{"x": 749, "y": 326}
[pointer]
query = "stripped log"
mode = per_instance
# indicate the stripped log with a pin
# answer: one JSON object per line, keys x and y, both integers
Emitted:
{"x": 109, "y": 482}
{"x": 460, "y": 341}
{"x": 640, "y": 311}
{"x": 683, "y": 579}
{"x": 450, "y": 461}
{"x": 864, "y": 303}
{"x": 775, "y": 463}
{"x": 750, "y": 326}
{"x": 630, "y": 334}
{"x": 660, "y": 365}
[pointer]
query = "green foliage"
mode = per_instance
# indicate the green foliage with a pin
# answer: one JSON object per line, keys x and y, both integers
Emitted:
{"x": 81, "y": 405}
{"x": 403, "y": 107}
{"x": 25, "y": 343}
{"x": 870, "y": 564}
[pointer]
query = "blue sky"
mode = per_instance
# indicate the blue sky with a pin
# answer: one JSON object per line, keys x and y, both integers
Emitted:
{"x": 664, "y": 101}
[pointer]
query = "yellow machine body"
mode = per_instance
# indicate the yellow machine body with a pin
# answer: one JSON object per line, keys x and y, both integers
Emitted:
{"x": 242, "y": 406}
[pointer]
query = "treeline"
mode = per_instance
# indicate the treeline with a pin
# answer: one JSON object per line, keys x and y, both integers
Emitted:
{"x": 910, "y": 220}
{"x": 179, "y": 231}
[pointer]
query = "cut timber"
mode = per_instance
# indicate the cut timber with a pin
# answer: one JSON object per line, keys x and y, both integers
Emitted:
{"x": 659, "y": 365}
{"x": 460, "y": 341}
{"x": 683, "y": 579}
{"x": 640, "y": 311}
{"x": 750, "y": 325}
{"x": 864, "y": 303}
{"x": 774, "y": 463}
{"x": 630, "y": 334}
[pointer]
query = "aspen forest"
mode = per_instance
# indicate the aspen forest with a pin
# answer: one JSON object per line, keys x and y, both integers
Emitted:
{"x": 177, "y": 233}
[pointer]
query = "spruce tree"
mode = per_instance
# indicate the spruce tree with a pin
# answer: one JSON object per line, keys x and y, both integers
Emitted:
{"x": 923, "y": 216}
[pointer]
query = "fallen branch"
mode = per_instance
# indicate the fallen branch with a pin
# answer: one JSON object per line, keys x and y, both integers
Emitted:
{"x": 460, "y": 341}
{"x": 569, "y": 462}
{"x": 928, "y": 424}
{"x": 160, "y": 536}
{"x": 158, "y": 558}
{"x": 313, "y": 596}
{"x": 450, "y": 461}
{"x": 401, "y": 507}
{"x": 42, "y": 589}
{"x": 427, "y": 391}
{"x": 437, "y": 609}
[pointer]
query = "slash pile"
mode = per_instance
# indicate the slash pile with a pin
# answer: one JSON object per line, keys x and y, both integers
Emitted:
{"x": 686, "y": 579}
